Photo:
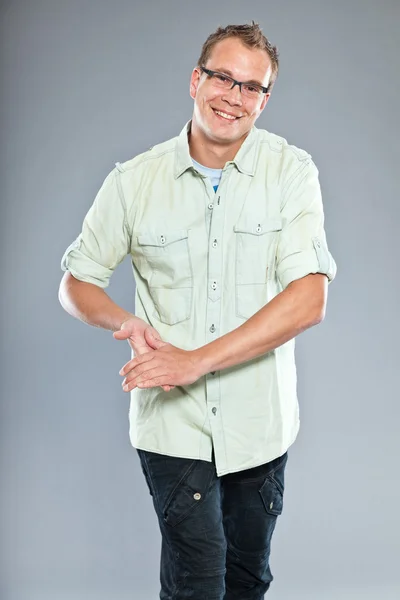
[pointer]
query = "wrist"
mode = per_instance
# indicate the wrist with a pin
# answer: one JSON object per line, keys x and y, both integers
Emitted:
{"x": 125, "y": 317}
{"x": 201, "y": 360}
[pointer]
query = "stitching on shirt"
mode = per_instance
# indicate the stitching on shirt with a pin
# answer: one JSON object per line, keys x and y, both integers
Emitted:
{"x": 145, "y": 157}
{"x": 282, "y": 144}
{"x": 290, "y": 180}
{"x": 289, "y": 186}
{"x": 302, "y": 156}
{"x": 274, "y": 149}
{"x": 123, "y": 202}
{"x": 157, "y": 155}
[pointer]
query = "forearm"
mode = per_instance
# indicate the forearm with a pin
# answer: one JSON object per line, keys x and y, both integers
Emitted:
{"x": 288, "y": 314}
{"x": 91, "y": 304}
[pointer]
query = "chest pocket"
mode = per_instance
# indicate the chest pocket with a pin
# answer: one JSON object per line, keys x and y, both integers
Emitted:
{"x": 256, "y": 245}
{"x": 171, "y": 278}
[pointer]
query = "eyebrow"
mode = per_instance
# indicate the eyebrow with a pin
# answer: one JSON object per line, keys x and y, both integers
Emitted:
{"x": 228, "y": 72}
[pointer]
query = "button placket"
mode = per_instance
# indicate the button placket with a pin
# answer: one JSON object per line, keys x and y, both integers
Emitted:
{"x": 213, "y": 320}
{"x": 213, "y": 317}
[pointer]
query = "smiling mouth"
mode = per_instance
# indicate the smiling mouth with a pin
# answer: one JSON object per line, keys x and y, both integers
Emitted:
{"x": 225, "y": 116}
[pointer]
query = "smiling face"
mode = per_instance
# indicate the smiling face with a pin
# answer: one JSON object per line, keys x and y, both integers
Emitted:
{"x": 225, "y": 117}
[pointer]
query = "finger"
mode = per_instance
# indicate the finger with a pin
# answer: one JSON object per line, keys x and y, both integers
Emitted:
{"x": 153, "y": 338}
{"x": 134, "y": 373}
{"x": 124, "y": 369}
{"x": 141, "y": 378}
{"x": 151, "y": 374}
{"x": 138, "y": 348}
{"x": 121, "y": 334}
{"x": 138, "y": 360}
{"x": 166, "y": 388}
{"x": 154, "y": 382}
{"x": 142, "y": 349}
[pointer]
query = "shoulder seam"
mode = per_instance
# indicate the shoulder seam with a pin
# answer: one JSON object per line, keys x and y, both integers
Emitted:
{"x": 272, "y": 148}
{"x": 279, "y": 147}
{"x": 145, "y": 157}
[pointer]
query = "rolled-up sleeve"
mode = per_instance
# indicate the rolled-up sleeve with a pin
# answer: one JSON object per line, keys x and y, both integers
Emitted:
{"x": 105, "y": 238}
{"x": 302, "y": 247}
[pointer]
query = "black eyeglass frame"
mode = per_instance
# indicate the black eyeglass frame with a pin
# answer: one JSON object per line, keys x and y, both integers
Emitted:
{"x": 210, "y": 73}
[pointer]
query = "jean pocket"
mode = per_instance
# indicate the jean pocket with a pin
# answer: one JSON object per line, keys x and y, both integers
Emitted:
{"x": 171, "y": 275}
{"x": 273, "y": 487}
{"x": 272, "y": 496}
{"x": 189, "y": 494}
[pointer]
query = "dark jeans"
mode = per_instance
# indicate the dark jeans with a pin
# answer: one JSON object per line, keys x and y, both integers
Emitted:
{"x": 215, "y": 531}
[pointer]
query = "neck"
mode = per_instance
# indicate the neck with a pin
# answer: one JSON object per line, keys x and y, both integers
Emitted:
{"x": 208, "y": 153}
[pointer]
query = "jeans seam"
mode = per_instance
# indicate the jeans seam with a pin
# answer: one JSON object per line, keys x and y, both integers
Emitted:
{"x": 169, "y": 497}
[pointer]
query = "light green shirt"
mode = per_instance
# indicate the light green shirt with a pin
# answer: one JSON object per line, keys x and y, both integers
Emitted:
{"x": 203, "y": 263}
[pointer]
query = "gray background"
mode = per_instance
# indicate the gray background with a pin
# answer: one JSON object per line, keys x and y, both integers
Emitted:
{"x": 86, "y": 84}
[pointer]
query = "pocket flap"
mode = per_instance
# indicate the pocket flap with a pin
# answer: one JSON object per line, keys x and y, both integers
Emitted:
{"x": 272, "y": 497}
{"x": 258, "y": 227}
{"x": 154, "y": 238}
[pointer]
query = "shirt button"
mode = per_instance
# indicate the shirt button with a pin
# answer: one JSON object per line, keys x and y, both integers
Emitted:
{"x": 214, "y": 285}
{"x": 212, "y": 328}
{"x": 214, "y": 410}
{"x": 162, "y": 239}
{"x": 215, "y": 244}
{"x": 211, "y": 206}
{"x": 258, "y": 228}
{"x": 197, "y": 496}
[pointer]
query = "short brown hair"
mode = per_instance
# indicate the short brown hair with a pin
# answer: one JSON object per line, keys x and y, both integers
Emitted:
{"x": 251, "y": 36}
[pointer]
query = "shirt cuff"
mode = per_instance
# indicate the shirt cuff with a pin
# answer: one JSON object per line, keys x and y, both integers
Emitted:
{"x": 318, "y": 259}
{"x": 84, "y": 268}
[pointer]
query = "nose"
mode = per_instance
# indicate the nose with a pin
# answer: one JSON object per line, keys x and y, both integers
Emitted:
{"x": 233, "y": 96}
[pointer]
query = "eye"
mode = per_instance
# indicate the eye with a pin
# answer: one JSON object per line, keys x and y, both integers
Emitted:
{"x": 253, "y": 89}
{"x": 222, "y": 78}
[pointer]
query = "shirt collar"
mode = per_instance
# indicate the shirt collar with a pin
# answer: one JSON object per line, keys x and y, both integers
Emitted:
{"x": 245, "y": 159}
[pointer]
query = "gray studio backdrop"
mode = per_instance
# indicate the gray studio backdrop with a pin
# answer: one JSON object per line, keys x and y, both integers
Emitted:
{"x": 87, "y": 83}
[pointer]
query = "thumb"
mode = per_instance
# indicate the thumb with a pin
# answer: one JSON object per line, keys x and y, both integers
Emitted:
{"x": 122, "y": 334}
{"x": 153, "y": 339}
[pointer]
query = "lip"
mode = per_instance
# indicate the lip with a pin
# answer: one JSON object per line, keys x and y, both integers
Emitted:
{"x": 226, "y": 112}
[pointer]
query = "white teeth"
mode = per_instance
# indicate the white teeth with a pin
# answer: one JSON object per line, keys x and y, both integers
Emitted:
{"x": 225, "y": 115}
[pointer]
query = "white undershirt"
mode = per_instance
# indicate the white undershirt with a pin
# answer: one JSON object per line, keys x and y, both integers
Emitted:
{"x": 213, "y": 174}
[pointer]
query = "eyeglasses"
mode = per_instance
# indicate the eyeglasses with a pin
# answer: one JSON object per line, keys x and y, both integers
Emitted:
{"x": 251, "y": 90}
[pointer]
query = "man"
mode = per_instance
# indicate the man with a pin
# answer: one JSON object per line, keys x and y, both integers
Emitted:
{"x": 224, "y": 226}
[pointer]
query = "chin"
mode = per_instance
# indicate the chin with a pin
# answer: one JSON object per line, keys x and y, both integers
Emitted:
{"x": 219, "y": 134}
{"x": 228, "y": 137}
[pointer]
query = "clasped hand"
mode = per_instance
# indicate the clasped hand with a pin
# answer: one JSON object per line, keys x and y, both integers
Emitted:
{"x": 156, "y": 363}
{"x": 167, "y": 365}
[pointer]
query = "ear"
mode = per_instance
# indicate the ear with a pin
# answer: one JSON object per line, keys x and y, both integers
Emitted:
{"x": 194, "y": 82}
{"x": 265, "y": 101}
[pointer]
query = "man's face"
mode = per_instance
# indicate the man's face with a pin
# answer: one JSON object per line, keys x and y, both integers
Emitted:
{"x": 233, "y": 58}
